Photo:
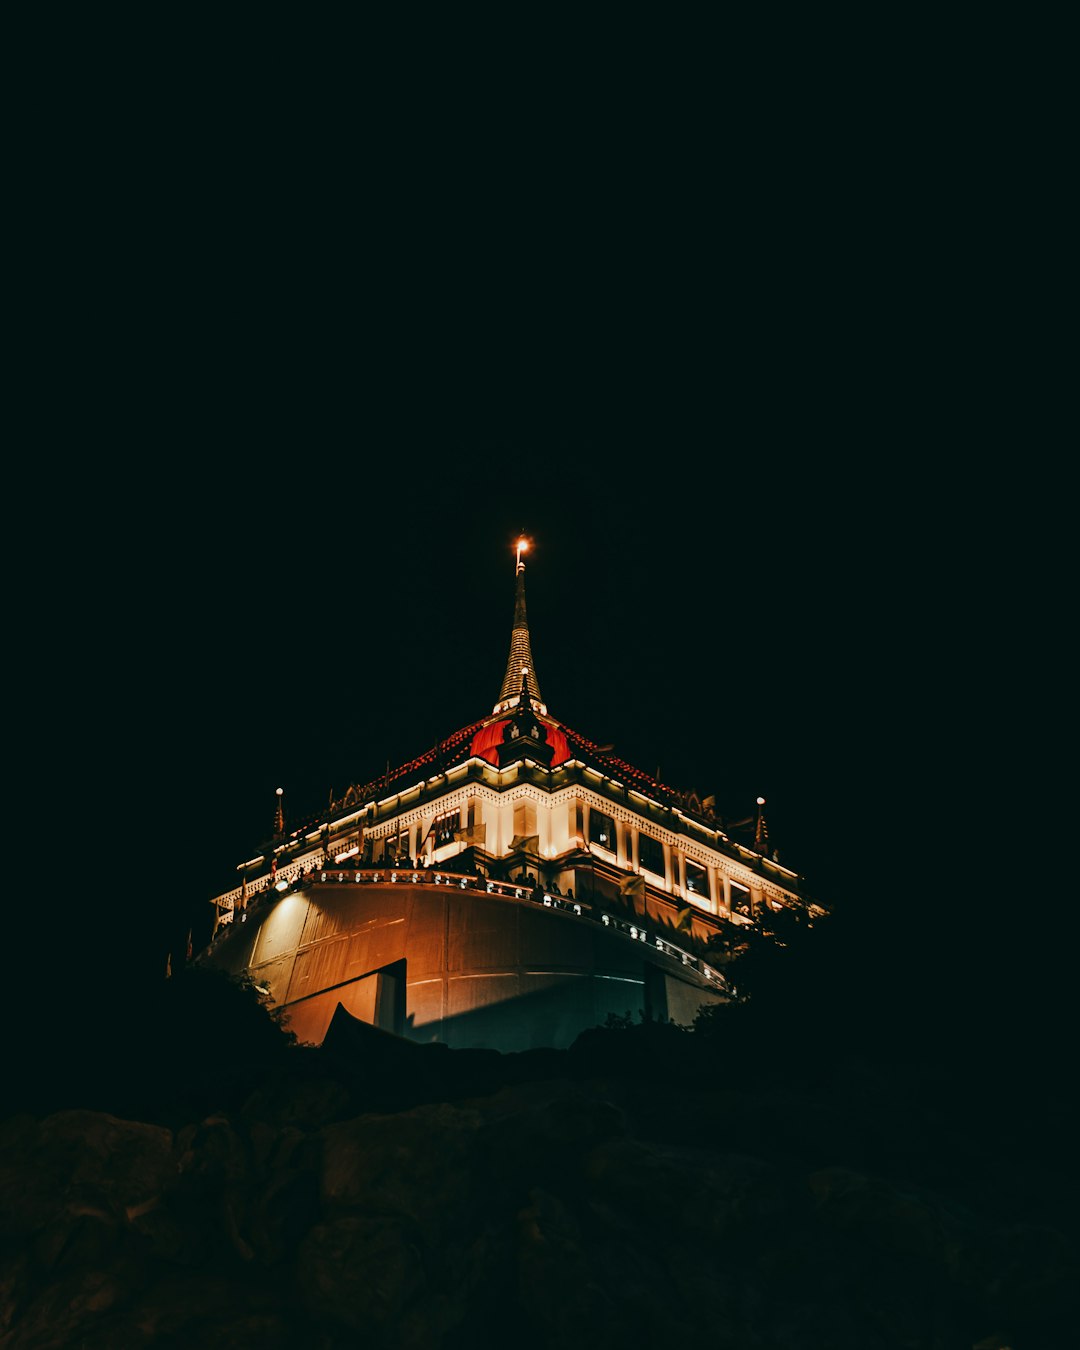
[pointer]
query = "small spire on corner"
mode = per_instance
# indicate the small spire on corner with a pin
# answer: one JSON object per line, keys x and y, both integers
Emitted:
{"x": 761, "y": 830}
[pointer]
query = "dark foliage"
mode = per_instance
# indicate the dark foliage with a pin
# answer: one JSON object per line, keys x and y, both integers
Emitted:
{"x": 196, "y": 1041}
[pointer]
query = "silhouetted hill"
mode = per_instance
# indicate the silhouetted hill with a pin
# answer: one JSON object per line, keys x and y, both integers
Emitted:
{"x": 840, "y": 1162}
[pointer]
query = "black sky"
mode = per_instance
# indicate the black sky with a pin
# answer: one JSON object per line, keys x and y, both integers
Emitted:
{"x": 740, "y": 617}
{"x": 286, "y": 467}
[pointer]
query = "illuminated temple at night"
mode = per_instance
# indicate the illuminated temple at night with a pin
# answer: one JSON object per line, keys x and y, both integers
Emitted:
{"x": 508, "y": 889}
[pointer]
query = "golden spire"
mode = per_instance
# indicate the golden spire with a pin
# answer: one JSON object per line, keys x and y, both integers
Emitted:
{"x": 520, "y": 665}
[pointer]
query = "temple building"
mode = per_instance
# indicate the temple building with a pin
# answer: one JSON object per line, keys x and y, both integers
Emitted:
{"x": 509, "y": 888}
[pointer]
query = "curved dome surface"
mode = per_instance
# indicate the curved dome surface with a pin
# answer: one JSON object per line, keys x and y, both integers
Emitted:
{"x": 485, "y": 744}
{"x": 450, "y": 961}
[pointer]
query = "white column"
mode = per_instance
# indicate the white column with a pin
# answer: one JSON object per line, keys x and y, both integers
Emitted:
{"x": 716, "y": 890}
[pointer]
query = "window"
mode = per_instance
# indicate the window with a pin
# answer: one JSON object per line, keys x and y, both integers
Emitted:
{"x": 740, "y": 900}
{"x": 602, "y": 830}
{"x": 697, "y": 879}
{"x": 651, "y": 854}
{"x": 396, "y": 846}
{"x": 444, "y": 827}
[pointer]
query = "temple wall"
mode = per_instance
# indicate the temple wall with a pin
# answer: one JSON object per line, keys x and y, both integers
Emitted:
{"x": 476, "y": 969}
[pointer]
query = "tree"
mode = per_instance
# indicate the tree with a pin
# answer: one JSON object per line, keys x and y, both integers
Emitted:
{"x": 767, "y": 959}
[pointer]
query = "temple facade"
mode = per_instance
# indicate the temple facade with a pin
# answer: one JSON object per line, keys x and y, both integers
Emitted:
{"x": 509, "y": 888}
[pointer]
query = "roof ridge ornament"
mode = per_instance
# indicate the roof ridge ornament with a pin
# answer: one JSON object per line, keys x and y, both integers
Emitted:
{"x": 520, "y": 667}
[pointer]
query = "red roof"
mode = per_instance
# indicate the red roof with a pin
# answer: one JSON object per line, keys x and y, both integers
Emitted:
{"x": 487, "y": 740}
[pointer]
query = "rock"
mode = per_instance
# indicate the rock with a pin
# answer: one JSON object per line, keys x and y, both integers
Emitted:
{"x": 623, "y": 1211}
{"x": 363, "y": 1272}
{"x": 83, "y": 1156}
{"x": 558, "y": 1290}
{"x": 541, "y": 1133}
{"x": 419, "y": 1164}
{"x": 691, "y": 1191}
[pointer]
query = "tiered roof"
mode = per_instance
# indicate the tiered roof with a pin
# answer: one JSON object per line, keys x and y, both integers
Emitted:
{"x": 482, "y": 739}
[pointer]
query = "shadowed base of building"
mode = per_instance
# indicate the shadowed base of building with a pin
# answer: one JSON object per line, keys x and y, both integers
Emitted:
{"x": 456, "y": 965}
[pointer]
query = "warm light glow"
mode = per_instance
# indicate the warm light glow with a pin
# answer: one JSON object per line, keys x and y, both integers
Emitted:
{"x": 761, "y": 801}
{"x": 279, "y": 791}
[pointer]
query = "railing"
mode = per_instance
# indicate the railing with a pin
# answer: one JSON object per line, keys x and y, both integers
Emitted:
{"x": 640, "y": 934}
{"x": 287, "y": 878}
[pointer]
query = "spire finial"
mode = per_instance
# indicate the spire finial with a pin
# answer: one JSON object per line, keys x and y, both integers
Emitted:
{"x": 520, "y": 666}
{"x": 279, "y": 815}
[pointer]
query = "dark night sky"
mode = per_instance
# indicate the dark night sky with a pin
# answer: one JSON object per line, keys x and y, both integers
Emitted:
{"x": 277, "y": 548}
{"x": 742, "y": 617}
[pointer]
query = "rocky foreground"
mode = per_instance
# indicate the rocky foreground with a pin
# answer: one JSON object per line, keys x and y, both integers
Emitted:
{"x": 650, "y": 1187}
